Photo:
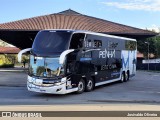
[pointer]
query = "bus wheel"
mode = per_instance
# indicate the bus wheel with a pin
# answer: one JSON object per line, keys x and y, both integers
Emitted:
{"x": 122, "y": 77}
{"x": 81, "y": 86}
{"x": 90, "y": 85}
{"x": 127, "y": 76}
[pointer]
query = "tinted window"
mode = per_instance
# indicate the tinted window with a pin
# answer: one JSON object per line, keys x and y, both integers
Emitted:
{"x": 88, "y": 43}
{"x": 77, "y": 41}
{"x": 51, "y": 42}
{"x": 97, "y": 43}
{"x": 130, "y": 45}
{"x": 45, "y": 67}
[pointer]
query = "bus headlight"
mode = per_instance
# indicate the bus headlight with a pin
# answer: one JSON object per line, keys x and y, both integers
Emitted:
{"x": 30, "y": 79}
{"x": 58, "y": 83}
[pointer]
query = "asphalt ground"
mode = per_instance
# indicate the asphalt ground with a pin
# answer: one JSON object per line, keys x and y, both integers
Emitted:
{"x": 144, "y": 88}
{"x": 141, "y": 94}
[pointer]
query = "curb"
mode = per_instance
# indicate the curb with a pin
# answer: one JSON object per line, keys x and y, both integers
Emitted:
{"x": 2, "y": 70}
{"x": 11, "y": 70}
{"x": 81, "y": 107}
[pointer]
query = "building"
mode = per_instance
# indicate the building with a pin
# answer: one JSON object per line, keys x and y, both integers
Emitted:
{"x": 9, "y": 50}
{"x": 8, "y": 56}
{"x": 21, "y": 33}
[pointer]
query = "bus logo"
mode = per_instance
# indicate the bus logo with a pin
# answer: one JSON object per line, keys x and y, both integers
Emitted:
{"x": 107, "y": 54}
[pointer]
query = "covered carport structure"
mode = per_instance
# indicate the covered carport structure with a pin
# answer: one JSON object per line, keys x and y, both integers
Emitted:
{"x": 21, "y": 33}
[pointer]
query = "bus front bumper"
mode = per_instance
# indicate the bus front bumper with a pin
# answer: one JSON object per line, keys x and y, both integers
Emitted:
{"x": 60, "y": 89}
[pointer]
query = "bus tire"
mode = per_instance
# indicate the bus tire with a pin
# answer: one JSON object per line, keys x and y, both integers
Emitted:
{"x": 89, "y": 85}
{"x": 127, "y": 77}
{"x": 81, "y": 86}
{"x": 122, "y": 77}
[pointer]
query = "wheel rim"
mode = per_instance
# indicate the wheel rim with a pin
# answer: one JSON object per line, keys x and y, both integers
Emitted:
{"x": 126, "y": 76}
{"x": 80, "y": 86}
{"x": 122, "y": 78}
{"x": 90, "y": 84}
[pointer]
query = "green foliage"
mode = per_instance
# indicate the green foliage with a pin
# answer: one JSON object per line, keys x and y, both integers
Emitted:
{"x": 40, "y": 70}
{"x": 4, "y": 59}
{"x": 25, "y": 59}
{"x": 6, "y": 65}
{"x": 157, "y": 46}
{"x": 154, "y": 46}
{"x": 11, "y": 58}
{"x": 7, "y": 60}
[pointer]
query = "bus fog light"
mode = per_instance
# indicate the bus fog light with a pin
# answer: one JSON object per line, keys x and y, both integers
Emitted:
{"x": 57, "y": 84}
{"x": 59, "y": 89}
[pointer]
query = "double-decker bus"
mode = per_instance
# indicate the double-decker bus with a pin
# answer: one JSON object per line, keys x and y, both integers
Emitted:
{"x": 64, "y": 61}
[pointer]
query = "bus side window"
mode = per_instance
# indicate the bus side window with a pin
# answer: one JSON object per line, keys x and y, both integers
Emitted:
{"x": 77, "y": 41}
{"x": 80, "y": 43}
{"x": 88, "y": 43}
{"x": 97, "y": 43}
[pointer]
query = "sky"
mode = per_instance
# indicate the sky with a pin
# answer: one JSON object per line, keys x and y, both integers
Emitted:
{"x": 136, "y": 13}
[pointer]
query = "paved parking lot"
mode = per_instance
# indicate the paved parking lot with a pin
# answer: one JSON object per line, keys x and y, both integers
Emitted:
{"x": 144, "y": 88}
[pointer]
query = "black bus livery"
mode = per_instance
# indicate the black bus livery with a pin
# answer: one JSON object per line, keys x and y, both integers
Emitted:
{"x": 64, "y": 61}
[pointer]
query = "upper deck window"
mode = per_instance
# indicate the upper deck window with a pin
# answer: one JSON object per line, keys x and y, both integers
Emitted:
{"x": 88, "y": 43}
{"x": 77, "y": 41}
{"x": 130, "y": 45}
{"x": 97, "y": 43}
{"x": 48, "y": 42}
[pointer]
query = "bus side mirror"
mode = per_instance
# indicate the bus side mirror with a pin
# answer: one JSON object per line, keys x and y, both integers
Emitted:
{"x": 63, "y": 56}
{"x": 21, "y": 52}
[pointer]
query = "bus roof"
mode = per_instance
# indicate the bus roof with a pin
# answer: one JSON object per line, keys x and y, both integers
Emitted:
{"x": 89, "y": 32}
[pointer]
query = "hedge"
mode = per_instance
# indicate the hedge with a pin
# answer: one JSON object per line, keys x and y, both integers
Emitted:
{"x": 7, "y": 66}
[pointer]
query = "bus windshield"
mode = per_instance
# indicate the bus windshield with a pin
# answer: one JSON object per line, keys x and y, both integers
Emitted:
{"x": 45, "y": 67}
{"x": 50, "y": 42}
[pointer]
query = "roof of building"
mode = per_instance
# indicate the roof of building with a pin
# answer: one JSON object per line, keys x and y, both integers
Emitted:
{"x": 9, "y": 50}
{"x": 21, "y": 33}
{"x": 70, "y": 19}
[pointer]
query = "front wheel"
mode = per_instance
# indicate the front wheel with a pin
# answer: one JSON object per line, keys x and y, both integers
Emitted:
{"x": 90, "y": 85}
{"x": 81, "y": 86}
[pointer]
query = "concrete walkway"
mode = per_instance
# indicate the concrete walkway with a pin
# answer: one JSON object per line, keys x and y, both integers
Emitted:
{"x": 15, "y": 69}
{"x": 82, "y": 107}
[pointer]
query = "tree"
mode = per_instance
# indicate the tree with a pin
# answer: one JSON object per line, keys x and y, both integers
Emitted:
{"x": 40, "y": 70}
{"x": 157, "y": 46}
{"x": 25, "y": 59}
{"x": 154, "y": 46}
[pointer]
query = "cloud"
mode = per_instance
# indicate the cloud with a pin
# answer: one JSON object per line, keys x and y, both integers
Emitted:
{"x": 154, "y": 27}
{"x": 146, "y": 5}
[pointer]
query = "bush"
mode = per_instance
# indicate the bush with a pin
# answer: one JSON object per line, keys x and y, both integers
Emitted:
{"x": 7, "y": 66}
{"x": 7, "y": 61}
